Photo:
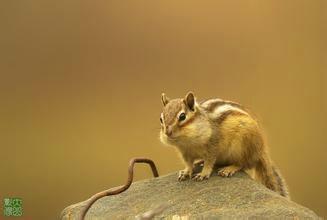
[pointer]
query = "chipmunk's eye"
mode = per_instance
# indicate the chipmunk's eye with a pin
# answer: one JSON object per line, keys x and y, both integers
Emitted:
{"x": 182, "y": 117}
{"x": 160, "y": 120}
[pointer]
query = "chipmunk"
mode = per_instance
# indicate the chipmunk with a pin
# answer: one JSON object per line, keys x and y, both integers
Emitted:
{"x": 220, "y": 133}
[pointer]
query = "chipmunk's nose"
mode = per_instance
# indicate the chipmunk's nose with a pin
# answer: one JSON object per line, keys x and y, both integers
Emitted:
{"x": 169, "y": 130}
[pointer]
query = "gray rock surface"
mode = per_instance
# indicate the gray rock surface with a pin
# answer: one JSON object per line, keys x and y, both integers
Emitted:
{"x": 238, "y": 197}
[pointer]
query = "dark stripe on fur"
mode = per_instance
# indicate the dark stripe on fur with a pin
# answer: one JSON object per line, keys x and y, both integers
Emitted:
{"x": 235, "y": 104}
{"x": 214, "y": 105}
{"x": 227, "y": 113}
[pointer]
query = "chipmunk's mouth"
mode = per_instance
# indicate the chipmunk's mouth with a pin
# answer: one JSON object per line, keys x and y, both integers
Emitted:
{"x": 167, "y": 138}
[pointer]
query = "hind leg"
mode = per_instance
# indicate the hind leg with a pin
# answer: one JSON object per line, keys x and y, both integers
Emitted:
{"x": 228, "y": 170}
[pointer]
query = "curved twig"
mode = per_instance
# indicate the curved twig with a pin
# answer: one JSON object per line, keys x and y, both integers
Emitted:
{"x": 121, "y": 189}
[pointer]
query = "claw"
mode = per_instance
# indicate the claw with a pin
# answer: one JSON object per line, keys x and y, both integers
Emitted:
{"x": 228, "y": 171}
{"x": 200, "y": 177}
{"x": 183, "y": 175}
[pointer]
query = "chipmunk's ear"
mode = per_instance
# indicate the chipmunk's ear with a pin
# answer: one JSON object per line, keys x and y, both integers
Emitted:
{"x": 164, "y": 99}
{"x": 189, "y": 100}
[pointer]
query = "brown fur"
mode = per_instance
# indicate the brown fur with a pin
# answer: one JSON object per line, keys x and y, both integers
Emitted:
{"x": 219, "y": 132}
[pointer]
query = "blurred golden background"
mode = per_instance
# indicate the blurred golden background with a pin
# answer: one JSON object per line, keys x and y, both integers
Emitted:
{"x": 81, "y": 84}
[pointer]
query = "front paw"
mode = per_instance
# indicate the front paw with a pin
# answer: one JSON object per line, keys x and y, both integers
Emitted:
{"x": 200, "y": 177}
{"x": 184, "y": 175}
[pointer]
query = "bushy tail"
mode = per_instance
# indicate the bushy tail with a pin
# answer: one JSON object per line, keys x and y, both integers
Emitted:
{"x": 270, "y": 177}
{"x": 282, "y": 186}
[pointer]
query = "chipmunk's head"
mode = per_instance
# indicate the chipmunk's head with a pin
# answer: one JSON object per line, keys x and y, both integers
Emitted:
{"x": 177, "y": 118}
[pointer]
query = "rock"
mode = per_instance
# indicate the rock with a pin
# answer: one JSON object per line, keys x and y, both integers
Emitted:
{"x": 237, "y": 197}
